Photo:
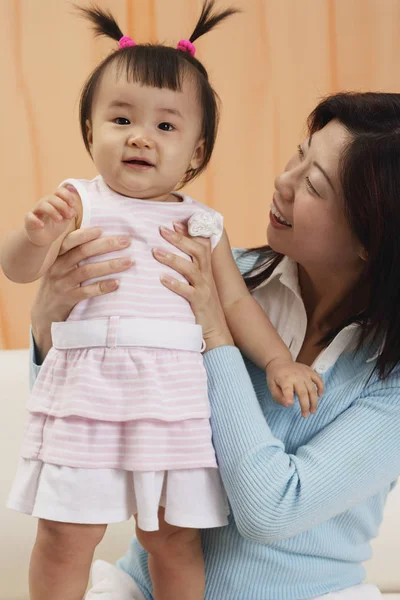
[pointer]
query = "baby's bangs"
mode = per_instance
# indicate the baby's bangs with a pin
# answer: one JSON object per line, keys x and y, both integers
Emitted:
{"x": 153, "y": 66}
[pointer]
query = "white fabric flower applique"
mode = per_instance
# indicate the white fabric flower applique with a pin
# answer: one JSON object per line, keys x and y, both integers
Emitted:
{"x": 205, "y": 224}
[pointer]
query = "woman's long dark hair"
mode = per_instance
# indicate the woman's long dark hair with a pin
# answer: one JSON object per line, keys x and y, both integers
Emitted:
{"x": 370, "y": 181}
{"x": 157, "y": 66}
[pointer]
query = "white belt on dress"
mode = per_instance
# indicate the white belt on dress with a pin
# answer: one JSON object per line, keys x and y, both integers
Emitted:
{"x": 125, "y": 331}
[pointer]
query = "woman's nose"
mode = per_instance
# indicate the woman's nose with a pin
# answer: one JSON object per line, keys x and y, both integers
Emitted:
{"x": 284, "y": 185}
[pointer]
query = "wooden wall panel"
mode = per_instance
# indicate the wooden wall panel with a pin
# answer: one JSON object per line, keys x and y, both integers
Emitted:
{"x": 270, "y": 65}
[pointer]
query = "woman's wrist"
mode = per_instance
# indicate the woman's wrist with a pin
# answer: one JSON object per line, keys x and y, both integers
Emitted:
{"x": 42, "y": 343}
{"x": 218, "y": 340}
{"x": 41, "y": 332}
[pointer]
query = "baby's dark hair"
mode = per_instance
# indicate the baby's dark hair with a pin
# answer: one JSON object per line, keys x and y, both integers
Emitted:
{"x": 157, "y": 66}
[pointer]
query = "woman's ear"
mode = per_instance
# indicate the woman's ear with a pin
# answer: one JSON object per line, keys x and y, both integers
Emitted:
{"x": 198, "y": 155}
{"x": 89, "y": 134}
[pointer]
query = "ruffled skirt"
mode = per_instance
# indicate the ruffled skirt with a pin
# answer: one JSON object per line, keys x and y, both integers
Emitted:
{"x": 116, "y": 430}
{"x": 191, "y": 497}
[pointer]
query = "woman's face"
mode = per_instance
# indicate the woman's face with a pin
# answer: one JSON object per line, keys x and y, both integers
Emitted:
{"x": 308, "y": 198}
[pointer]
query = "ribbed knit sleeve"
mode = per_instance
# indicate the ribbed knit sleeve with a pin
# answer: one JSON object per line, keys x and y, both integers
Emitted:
{"x": 34, "y": 368}
{"x": 275, "y": 495}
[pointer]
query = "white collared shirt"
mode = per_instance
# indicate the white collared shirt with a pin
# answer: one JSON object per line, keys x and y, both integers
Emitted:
{"x": 280, "y": 297}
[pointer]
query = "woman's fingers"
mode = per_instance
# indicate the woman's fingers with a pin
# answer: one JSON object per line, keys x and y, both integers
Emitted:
{"x": 183, "y": 266}
{"x": 98, "y": 269}
{"x": 180, "y": 288}
{"x": 83, "y": 244}
{"x": 78, "y": 237}
{"x": 94, "y": 289}
{"x": 197, "y": 248}
{"x": 75, "y": 250}
{"x": 194, "y": 271}
{"x": 181, "y": 228}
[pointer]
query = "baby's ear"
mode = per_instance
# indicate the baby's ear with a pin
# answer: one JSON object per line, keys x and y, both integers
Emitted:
{"x": 198, "y": 155}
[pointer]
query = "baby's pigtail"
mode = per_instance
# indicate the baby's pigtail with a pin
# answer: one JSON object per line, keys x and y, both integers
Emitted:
{"x": 102, "y": 21}
{"x": 210, "y": 19}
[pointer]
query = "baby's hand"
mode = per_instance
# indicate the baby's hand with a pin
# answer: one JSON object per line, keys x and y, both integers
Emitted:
{"x": 286, "y": 377}
{"x": 50, "y": 217}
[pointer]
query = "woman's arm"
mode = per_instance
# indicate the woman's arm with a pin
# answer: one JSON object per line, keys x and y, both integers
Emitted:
{"x": 274, "y": 494}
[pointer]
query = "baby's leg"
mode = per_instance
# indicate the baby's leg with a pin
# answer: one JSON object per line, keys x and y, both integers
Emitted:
{"x": 176, "y": 562}
{"x": 61, "y": 559}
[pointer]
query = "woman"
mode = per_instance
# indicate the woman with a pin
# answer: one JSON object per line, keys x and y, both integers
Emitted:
{"x": 306, "y": 495}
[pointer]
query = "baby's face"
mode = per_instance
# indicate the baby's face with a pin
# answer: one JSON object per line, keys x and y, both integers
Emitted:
{"x": 144, "y": 139}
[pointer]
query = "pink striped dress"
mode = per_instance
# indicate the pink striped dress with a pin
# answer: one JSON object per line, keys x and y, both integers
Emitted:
{"x": 136, "y": 408}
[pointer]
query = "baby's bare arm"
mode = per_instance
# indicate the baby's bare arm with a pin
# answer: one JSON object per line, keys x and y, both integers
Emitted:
{"x": 251, "y": 329}
{"x": 29, "y": 251}
{"x": 255, "y": 335}
{"x": 20, "y": 259}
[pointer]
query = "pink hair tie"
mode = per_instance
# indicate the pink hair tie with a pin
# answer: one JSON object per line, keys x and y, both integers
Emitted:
{"x": 186, "y": 46}
{"x": 126, "y": 41}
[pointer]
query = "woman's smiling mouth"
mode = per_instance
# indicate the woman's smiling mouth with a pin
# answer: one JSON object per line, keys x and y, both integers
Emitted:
{"x": 278, "y": 217}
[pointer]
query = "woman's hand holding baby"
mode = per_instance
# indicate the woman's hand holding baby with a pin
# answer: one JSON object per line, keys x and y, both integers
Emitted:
{"x": 60, "y": 288}
{"x": 200, "y": 291}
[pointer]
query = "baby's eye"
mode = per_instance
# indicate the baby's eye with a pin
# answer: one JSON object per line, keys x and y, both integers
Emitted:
{"x": 166, "y": 127}
{"x": 122, "y": 121}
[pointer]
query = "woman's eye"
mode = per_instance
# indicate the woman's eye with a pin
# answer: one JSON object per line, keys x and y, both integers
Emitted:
{"x": 311, "y": 187}
{"x": 121, "y": 121}
{"x": 166, "y": 127}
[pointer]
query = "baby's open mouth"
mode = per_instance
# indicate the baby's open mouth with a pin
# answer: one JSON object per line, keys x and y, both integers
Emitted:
{"x": 139, "y": 161}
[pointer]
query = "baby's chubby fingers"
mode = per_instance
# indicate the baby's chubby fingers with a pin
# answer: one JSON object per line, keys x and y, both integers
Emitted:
{"x": 287, "y": 393}
{"x": 69, "y": 194}
{"x": 317, "y": 380}
{"x": 33, "y": 222}
{"x": 63, "y": 208}
{"x": 303, "y": 395}
{"x": 313, "y": 396}
{"x": 276, "y": 393}
{"x": 281, "y": 388}
{"x": 49, "y": 207}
